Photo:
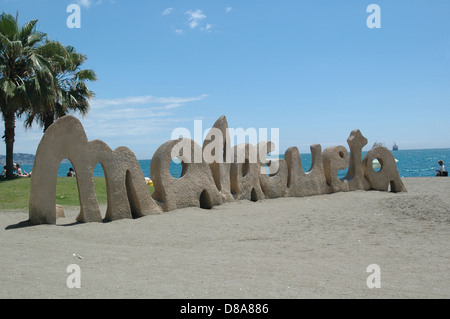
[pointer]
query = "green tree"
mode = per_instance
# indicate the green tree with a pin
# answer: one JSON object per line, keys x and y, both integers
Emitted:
{"x": 66, "y": 91}
{"x": 20, "y": 64}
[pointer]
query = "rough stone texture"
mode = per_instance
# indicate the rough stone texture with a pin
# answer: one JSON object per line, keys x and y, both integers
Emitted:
{"x": 60, "y": 212}
{"x": 334, "y": 159}
{"x": 128, "y": 194}
{"x": 388, "y": 174}
{"x": 195, "y": 187}
{"x": 355, "y": 177}
{"x": 211, "y": 175}
{"x": 217, "y": 145}
{"x": 305, "y": 184}
{"x": 244, "y": 173}
{"x": 274, "y": 184}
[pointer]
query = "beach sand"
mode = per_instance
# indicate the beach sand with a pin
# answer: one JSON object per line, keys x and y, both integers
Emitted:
{"x": 311, "y": 247}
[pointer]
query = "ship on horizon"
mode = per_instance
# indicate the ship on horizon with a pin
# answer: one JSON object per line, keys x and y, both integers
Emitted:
{"x": 395, "y": 147}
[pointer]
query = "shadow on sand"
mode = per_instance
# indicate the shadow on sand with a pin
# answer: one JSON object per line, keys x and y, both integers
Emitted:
{"x": 27, "y": 223}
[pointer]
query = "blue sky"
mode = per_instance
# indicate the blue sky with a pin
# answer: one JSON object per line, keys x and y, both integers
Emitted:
{"x": 313, "y": 69}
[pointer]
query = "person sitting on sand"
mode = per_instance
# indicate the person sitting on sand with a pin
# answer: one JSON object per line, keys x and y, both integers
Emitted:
{"x": 21, "y": 173}
{"x": 441, "y": 171}
{"x": 71, "y": 172}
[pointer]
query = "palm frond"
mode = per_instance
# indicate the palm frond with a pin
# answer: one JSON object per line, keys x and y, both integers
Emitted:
{"x": 27, "y": 30}
{"x": 86, "y": 75}
{"x": 8, "y": 26}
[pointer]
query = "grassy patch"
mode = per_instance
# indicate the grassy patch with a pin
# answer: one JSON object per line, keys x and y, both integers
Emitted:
{"x": 15, "y": 194}
{"x": 67, "y": 191}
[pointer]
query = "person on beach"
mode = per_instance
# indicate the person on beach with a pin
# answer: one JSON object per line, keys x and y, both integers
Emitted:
{"x": 21, "y": 173}
{"x": 441, "y": 171}
{"x": 71, "y": 172}
{"x": 3, "y": 174}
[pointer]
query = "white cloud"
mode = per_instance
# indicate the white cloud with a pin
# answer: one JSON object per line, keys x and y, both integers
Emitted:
{"x": 88, "y": 3}
{"x": 167, "y": 11}
{"x": 195, "y": 17}
{"x": 147, "y": 99}
{"x": 207, "y": 28}
{"x": 228, "y": 9}
{"x": 85, "y": 3}
{"x": 129, "y": 117}
{"x": 193, "y": 24}
{"x": 141, "y": 123}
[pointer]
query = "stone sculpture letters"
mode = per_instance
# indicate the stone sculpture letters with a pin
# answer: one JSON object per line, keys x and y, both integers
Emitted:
{"x": 202, "y": 184}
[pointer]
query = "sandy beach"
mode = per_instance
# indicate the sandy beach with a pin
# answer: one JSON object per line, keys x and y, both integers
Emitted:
{"x": 311, "y": 247}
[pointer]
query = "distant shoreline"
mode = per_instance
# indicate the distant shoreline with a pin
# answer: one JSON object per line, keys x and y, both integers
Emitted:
{"x": 410, "y": 163}
{"x": 23, "y": 157}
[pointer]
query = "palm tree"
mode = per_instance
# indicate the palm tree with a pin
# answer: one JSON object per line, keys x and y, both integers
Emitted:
{"x": 69, "y": 91}
{"x": 19, "y": 64}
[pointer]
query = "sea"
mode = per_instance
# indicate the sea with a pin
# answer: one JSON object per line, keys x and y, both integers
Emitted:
{"x": 411, "y": 163}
